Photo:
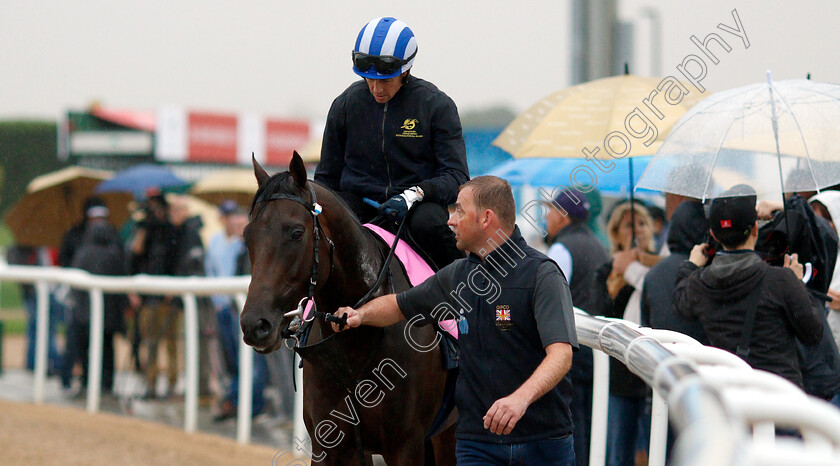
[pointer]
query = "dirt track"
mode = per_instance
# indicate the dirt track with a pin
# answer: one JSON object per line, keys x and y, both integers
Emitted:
{"x": 45, "y": 434}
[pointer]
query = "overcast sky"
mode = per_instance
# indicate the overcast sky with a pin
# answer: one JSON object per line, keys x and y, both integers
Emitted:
{"x": 291, "y": 58}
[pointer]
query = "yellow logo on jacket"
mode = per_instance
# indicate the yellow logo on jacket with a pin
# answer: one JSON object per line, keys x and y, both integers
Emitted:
{"x": 409, "y": 129}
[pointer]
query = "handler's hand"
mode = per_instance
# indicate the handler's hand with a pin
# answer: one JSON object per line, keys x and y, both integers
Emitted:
{"x": 354, "y": 319}
{"x": 502, "y": 417}
{"x": 792, "y": 262}
{"x": 698, "y": 254}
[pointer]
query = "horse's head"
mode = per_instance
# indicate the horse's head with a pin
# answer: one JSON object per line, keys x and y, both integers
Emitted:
{"x": 281, "y": 241}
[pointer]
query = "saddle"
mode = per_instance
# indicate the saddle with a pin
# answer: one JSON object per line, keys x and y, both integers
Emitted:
{"x": 416, "y": 268}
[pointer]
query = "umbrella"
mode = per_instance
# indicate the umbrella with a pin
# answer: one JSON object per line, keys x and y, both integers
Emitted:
{"x": 311, "y": 152}
{"x": 53, "y": 203}
{"x": 774, "y": 136}
{"x": 238, "y": 184}
{"x": 139, "y": 178}
{"x": 606, "y": 119}
{"x": 583, "y": 116}
{"x": 554, "y": 172}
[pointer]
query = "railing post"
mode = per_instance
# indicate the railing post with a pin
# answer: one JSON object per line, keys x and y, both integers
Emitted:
{"x": 191, "y": 361}
{"x": 246, "y": 382}
{"x": 97, "y": 327}
{"x": 600, "y": 405}
{"x": 658, "y": 431}
{"x": 299, "y": 428}
{"x": 42, "y": 329}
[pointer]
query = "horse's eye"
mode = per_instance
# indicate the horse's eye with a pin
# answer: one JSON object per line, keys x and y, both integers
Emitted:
{"x": 297, "y": 235}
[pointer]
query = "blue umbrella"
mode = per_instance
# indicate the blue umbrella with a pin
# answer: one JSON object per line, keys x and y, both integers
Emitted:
{"x": 140, "y": 178}
{"x": 554, "y": 172}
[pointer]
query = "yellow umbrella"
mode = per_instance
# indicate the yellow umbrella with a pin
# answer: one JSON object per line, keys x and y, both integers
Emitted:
{"x": 53, "y": 203}
{"x": 585, "y": 116}
{"x": 238, "y": 184}
{"x": 311, "y": 152}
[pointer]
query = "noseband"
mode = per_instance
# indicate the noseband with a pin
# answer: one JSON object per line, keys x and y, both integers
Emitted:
{"x": 315, "y": 210}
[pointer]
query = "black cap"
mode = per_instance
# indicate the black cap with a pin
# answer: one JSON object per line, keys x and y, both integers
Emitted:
{"x": 573, "y": 202}
{"x": 732, "y": 215}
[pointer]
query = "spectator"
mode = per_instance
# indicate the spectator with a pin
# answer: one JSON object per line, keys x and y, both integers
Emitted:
{"x": 520, "y": 414}
{"x": 189, "y": 248}
{"x": 688, "y": 227}
{"x": 99, "y": 253}
{"x": 660, "y": 226}
{"x": 72, "y": 240}
{"x": 30, "y": 255}
{"x": 814, "y": 240}
{"x": 396, "y": 139}
{"x": 578, "y": 252}
{"x": 154, "y": 251}
{"x": 619, "y": 284}
{"x": 223, "y": 260}
{"x": 827, "y": 205}
{"x": 747, "y": 307}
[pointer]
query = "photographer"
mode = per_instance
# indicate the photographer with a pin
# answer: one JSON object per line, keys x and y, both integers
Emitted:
{"x": 154, "y": 251}
{"x": 746, "y": 306}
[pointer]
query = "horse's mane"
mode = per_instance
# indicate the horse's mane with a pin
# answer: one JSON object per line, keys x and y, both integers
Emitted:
{"x": 275, "y": 184}
{"x": 279, "y": 184}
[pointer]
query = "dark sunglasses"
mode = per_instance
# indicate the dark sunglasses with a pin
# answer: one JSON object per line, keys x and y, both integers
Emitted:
{"x": 383, "y": 64}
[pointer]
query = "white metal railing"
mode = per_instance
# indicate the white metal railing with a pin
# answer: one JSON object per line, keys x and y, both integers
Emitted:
{"x": 725, "y": 413}
{"x": 188, "y": 288}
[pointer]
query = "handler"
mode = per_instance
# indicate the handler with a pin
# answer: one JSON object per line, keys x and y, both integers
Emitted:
{"x": 517, "y": 333}
{"x": 395, "y": 139}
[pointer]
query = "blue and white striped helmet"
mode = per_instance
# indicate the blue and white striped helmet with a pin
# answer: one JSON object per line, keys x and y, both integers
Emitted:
{"x": 385, "y": 48}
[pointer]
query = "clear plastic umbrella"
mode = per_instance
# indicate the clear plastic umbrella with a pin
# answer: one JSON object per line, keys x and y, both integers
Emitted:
{"x": 774, "y": 136}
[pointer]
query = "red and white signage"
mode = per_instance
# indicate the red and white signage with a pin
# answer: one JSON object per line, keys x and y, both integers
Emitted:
{"x": 282, "y": 137}
{"x": 191, "y": 136}
{"x": 211, "y": 137}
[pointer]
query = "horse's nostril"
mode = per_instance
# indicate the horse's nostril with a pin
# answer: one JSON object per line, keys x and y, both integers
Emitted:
{"x": 262, "y": 329}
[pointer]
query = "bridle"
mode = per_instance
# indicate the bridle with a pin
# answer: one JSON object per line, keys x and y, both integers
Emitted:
{"x": 315, "y": 210}
{"x": 299, "y": 326}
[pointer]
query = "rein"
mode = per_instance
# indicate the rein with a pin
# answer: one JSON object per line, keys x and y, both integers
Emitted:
{"x": 298, "y": 329}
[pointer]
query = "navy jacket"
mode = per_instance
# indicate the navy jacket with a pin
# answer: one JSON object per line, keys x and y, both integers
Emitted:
{"x": 513, "y": 312}
{"x": 688, "y": 227}
{"x": 378, "y": 150}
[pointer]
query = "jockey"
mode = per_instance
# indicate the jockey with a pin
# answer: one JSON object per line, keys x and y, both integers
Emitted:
{"x": 395, "y": 139}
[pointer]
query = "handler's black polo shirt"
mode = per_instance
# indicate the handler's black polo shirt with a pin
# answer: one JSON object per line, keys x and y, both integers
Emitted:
{"x": 516, "y": 303}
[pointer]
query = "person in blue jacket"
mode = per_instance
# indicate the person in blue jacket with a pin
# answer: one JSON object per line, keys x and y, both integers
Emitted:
{"x": 395, "y": 139}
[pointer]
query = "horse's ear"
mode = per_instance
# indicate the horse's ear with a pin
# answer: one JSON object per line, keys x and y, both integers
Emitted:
{"x": 259, "y": 171}
{"x": 298, "y": 170}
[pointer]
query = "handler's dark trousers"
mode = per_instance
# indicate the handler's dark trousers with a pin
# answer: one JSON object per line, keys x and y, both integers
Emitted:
{"x": 426, "y": 225}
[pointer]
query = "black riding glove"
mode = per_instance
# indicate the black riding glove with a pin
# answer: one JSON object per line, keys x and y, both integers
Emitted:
{"x": 398, "y": 206}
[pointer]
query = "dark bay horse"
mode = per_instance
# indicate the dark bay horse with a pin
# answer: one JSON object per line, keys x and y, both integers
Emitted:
{"x": 363, "y": 388}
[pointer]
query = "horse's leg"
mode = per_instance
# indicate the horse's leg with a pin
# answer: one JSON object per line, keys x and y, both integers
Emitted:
{"x": 411, "y": 452}
{"x": 344, "y": 457}
{"x": 444, "y": 442}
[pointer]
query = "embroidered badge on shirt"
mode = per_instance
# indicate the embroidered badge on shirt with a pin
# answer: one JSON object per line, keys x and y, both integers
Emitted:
{"x": 503, "y": 321}
{"x": 409, "y": 129}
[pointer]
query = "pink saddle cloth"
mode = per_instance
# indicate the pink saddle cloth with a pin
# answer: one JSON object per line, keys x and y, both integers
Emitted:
{"x": 417, "y": 268}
